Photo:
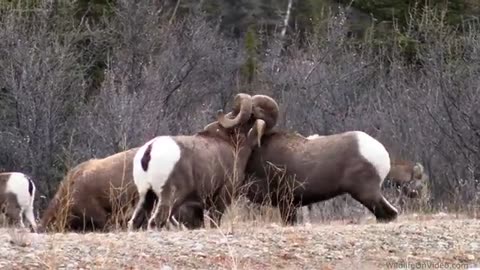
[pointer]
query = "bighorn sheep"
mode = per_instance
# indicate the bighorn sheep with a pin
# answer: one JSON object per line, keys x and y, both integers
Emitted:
{"x": 405, "y": 176}
{"x": 210, "y": 163}
{"x": 17, "y": 194}
{"x": 83, "y": 201}
{"x": 323, "y": 167}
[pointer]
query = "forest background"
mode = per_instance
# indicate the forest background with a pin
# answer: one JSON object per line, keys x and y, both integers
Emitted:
{"x": 84, "y": 79}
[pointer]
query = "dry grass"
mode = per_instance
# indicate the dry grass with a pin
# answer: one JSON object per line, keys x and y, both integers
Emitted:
{"x": 343, "y": 235}
{"x": 429, "y": 239}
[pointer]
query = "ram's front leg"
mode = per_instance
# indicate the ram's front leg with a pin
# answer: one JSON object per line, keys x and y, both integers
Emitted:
{"x": 160, "y": 217}
{"x": 218, "y": 206}
{"x": 216, "y": 213}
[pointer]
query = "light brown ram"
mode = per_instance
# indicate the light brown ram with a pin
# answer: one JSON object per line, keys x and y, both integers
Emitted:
{"x": 95, "y": 191}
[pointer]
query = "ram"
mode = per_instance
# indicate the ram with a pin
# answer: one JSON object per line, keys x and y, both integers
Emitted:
{"x": 406, "y": 179}
{"x": 292, "y": 171}
{"x": 210, "y": 163}
{"x": 17, "y": 195}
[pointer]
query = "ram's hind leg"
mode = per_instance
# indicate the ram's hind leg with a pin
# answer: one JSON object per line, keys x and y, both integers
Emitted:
{"x": 20, "y": 217}
{"x": 12, "y": 210}
{"x": 217, "y": 206}
{"x": 141, "y": 221}
{"x": 159, "y": 217}
{"x": 388, "y": 212}
{"x": 142, "y": 194}
{"x": 31, "y": 218}
{"x": 370, "y": 195}
{"x": 163, "y": 208}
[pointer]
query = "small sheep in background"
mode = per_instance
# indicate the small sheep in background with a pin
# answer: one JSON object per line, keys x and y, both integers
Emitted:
{"x": 17, "y": 193}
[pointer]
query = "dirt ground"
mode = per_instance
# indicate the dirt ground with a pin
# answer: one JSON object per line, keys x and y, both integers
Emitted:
{"x": 413, "y": 242}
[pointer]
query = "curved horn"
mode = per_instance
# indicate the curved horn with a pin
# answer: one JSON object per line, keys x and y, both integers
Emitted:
{"x": 266, "y": 108}
{"x": 210, "y": 126}
{"x": 256, "y": 132}
{"x": 242, "y": 110}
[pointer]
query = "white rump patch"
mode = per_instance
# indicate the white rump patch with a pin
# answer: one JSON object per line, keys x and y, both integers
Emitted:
{"x": 373, "y": 151}
{"x": 18, "y": 184}
{"x": 314, "y": 136}
{"x": 164, "y": 155}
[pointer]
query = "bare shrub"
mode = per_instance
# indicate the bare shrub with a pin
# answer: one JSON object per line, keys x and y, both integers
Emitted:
{"x": 41, "y": 86}
{"x": 122, "y": 208}
{"x": 62, "y": 213}
{"x": 426, "y": 114}
{"x": 158, "y": 76}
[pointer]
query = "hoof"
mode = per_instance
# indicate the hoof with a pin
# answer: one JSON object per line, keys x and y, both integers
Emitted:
{"x": 386, "y": 219}
{"x": 150, "y": 228}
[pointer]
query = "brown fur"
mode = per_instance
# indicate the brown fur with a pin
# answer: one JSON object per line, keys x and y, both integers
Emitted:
{"x": 90, "y": 184}
{"x": 213, "y": 161}
{"x": 292, "y": 171}
{"x": 85, "y": 192}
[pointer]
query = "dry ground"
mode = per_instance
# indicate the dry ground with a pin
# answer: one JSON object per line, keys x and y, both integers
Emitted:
{"x": 437, "y": 241}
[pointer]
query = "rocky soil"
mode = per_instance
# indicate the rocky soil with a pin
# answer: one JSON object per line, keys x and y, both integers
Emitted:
{"x": 421, "y": 242}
